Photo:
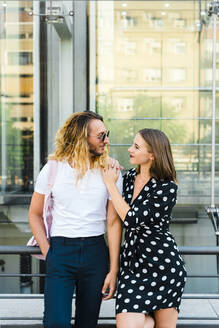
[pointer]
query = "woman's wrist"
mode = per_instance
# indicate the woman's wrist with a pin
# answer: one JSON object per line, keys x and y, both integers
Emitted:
{"x": 110, "y": 184}
{"x": 114, "y": 270}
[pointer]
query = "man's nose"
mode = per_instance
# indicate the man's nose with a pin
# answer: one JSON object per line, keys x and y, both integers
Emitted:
{"x": 106, "y": 140}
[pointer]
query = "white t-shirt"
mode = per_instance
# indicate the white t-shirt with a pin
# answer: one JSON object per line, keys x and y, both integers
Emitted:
{"x": 79, "y": 210}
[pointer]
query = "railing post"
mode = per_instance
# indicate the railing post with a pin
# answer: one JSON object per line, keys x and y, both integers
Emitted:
{"x": 212, "y": 210}
{"x": 213, "y": 214}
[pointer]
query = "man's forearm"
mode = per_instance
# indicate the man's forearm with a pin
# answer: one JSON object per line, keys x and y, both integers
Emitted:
{"x": 114, "y": 232}
{"x": 38, "y": 230}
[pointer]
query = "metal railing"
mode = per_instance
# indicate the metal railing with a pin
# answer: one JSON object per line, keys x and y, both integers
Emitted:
{"x": 184, "y": 250}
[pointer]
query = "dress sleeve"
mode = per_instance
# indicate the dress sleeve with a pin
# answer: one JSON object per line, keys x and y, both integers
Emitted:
{"x": 41, "y": 185}
{"x": 156, "y": 206}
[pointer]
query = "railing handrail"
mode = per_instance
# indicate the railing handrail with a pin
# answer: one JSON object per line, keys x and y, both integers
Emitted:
{"x": 185, "y": 250}
{"x": 188, "y": 296}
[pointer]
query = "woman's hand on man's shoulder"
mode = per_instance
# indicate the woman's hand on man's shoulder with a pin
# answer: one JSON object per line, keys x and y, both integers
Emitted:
{"x": 115, "y": 164}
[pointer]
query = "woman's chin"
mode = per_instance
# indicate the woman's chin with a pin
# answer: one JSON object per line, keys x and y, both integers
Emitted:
{"x": 131, "y": 161}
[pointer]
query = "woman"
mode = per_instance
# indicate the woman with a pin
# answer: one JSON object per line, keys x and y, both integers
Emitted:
{"x": 152, "y": 274}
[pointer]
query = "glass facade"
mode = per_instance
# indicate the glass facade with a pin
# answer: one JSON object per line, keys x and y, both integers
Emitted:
{"x": 154, "y": 69}
{"x": 159, "y": 75}
{"x": 139, "y": 64}
{"x": 36, "y": 56}
{"x": 16, "y": 102}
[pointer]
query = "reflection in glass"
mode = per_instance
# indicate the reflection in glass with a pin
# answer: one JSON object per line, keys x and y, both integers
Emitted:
{"x": 158, "y": 75}
{"x": 16, "y": 104}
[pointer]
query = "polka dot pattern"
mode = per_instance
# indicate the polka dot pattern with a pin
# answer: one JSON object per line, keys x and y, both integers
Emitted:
{"x": 152, "y": 274}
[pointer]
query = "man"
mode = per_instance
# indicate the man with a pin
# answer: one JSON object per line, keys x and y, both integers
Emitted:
{"x": 76, "y": 256}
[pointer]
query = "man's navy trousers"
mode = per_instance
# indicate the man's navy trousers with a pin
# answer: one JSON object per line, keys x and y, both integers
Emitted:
{"x": 74, "y": 265}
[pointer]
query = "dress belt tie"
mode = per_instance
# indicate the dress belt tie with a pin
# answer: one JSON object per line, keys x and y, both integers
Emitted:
{"x": 132, "y": 252}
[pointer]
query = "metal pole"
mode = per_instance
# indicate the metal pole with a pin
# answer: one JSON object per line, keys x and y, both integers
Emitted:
{"x": 213, "y": 123}
{"x": 212, "y": 211}
{"x": 213, "y": 113}
{"x": 186, "y": 250}
{"x": 92, "y": 61}
{"x": 4, "y": 106}
{"x": 36, "y": 95}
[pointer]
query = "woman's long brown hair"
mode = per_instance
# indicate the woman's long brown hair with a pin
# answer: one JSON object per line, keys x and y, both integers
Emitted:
{"x": 158, "y": 144}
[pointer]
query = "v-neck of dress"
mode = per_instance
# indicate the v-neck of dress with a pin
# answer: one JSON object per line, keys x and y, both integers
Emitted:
{"x": 133, "y": 200}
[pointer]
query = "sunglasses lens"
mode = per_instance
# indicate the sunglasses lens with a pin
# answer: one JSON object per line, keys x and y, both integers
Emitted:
{"x": 104, "y": 135}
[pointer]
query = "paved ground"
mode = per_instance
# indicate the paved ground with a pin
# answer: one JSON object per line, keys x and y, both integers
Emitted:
{"x": 32, "y": 310}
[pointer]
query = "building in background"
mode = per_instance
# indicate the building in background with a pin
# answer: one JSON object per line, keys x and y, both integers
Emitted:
{"x": 159, "y": 74}
{"x": 16, "y": 69}
{"x": 139, "y": 64}
{"x": 16, "y": 132}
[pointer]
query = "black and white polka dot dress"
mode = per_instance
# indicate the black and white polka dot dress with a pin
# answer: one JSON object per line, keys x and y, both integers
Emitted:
{"x": 152, "y": 274}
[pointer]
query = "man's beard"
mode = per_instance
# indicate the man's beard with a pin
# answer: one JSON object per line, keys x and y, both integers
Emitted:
{"x": 94, "y": 153}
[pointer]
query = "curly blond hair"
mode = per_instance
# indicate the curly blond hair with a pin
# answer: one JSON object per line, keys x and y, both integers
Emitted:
{"x": 72, "y": 145}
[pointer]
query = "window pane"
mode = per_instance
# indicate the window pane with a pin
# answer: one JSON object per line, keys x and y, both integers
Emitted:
{"x": 158, "y": 74}
{"x": 156, "y": 80}
{"x": 16, "y": 104}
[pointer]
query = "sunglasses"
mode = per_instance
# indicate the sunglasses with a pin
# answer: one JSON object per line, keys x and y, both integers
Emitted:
{"x": 103, "y": 136}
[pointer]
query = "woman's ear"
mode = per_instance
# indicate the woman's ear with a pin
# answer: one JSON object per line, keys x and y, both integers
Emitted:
{"x": 152, "y": 157}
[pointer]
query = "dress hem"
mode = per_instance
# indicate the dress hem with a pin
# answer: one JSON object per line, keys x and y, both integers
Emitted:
{"x": 151, "y": 311}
